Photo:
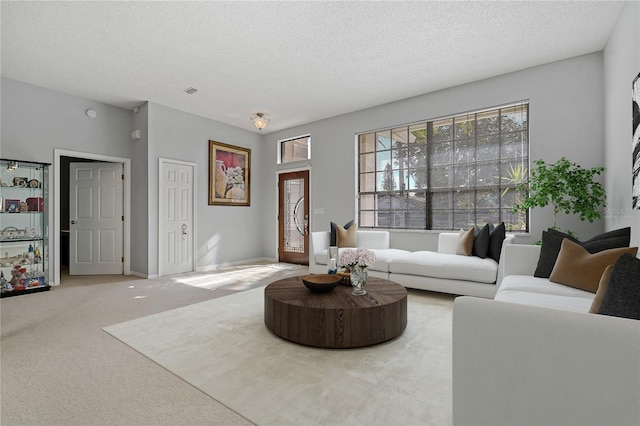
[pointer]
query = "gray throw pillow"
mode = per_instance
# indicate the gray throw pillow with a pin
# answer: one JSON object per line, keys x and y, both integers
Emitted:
{"x": 622, "y": 297}
{"x": 552, "y": 241}
{"x": 496, "y": 238}
{"x": 481, "y": 241}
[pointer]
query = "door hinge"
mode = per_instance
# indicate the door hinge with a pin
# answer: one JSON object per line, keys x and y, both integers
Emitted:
{"x": 122, "y": 259}
{"x": 123, "y": 218}
{"x": 122, "y": 176}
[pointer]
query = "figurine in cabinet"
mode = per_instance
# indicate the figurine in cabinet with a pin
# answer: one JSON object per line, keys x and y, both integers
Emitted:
{"x": 18, "y": 277}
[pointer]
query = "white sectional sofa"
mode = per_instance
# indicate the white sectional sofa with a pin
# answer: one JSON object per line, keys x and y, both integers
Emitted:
{"x": 442, "y": 271}
{"x": 535, "y": 356}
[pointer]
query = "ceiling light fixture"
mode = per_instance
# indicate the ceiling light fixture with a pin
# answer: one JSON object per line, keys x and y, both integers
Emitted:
{"x": 190, "y": 90}
{"x": 259, "y": 120}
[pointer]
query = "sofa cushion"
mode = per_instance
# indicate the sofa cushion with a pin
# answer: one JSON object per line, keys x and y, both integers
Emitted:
{"x": 346, "y": 237}
{"x": 622, "y": 298}
{"x": 333, "y": 235}
{"x": 496, "y": 238}
{"x": 552, "y": 301}
{"x": 529, "y": 284}
{"x": 385, "y": 257}
{"x": 481, "y": 241}
{"x": 578, "y": 268}
{"x": 450, "y": 266}
{"x": 465, "y": 242}
{"x": 552, "y": 241}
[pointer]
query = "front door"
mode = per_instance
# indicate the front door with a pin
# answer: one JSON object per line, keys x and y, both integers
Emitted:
{"x": 293, "y": 217}
{"x": 96, "y": 219}
{"x": 175, "y": 214}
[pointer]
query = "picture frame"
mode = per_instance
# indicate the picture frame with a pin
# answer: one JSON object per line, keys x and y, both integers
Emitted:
{"x": 229, "y": 175}
{"x": 11, "y": 206}
{"x": 635, "y": 143}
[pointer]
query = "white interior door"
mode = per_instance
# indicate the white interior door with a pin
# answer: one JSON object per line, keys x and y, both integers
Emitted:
{"x": 176, "y": 221}
{"x": 96, "y": 219}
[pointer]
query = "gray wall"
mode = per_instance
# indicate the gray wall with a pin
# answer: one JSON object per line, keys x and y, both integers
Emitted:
{"x": 35, "y": 121}
{"x": 621, "y": 66}
{"x": 566, "y": 116}
{"x": 140, "y": 208}
{"x": 224, "y": 234}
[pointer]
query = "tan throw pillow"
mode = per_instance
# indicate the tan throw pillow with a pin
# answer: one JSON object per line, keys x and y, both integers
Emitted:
{"x": 602, "y": 289}
{"x": 346, "y": 237}
{"x": 576, "y": 267}
{"x": 465, "y": 242}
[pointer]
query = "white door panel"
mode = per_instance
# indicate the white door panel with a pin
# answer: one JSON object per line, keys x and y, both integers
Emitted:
{"x": 96, "y": 216}
{"x": 175, "y": 218}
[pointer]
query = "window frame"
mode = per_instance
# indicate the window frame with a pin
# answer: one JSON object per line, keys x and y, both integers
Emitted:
{"x": 369, "y": 172}
{"x": 280, "y": 149}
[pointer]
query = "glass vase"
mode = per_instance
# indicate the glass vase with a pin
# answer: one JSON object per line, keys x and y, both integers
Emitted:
{"x": 358, "y": 280}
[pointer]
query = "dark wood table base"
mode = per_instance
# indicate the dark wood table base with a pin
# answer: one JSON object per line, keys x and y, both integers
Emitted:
{"x": 336, "y": 319}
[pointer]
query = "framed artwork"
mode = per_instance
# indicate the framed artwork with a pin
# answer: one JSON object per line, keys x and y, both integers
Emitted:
{"x": 229, "y": 175}
{"x": 635, "y": 144}
{"x": 11, "y": 206}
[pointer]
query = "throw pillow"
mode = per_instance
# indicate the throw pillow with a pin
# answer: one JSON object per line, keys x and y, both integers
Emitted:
{"x": 332, "y": 237}
{"x": 552, "y": 240}
{"x": 496, "y": 238}
{"x": 578, "y": 268}
{"x": 602, "y": 288}
{"x": 622, "y": 298}
{"x": 346, "y": 237}
{"x": 465, "y": 242}
{"x": 481, "y": 241}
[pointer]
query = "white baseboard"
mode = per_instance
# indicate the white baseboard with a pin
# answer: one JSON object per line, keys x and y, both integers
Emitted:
{"x": 141, "y": 275}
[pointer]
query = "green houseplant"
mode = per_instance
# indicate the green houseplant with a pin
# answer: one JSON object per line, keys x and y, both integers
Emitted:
{"x": 566, "y": 186}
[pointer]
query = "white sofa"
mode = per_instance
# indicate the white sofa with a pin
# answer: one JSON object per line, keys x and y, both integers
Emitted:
{"x": 442, "y": 271}
{"x": 535, "y": 356}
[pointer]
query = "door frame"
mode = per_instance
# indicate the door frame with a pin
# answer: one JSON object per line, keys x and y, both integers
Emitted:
{"x": 193, "y": 209}
{"x": 126, "y": 231}
{"x": 285, "y": 171}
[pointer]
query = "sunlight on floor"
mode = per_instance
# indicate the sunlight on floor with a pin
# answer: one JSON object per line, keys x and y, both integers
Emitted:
{"x": 241, "y": 277}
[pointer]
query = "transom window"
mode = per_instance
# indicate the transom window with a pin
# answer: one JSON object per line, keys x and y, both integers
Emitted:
{"x": 446, "y": 174}
{"x": 296, "y": 149}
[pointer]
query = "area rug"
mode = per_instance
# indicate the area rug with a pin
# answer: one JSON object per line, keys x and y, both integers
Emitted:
{"x": 223, "y": 348}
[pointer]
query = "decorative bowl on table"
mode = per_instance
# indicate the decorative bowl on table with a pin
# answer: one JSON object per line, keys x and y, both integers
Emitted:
{"x": 321, "y": 283}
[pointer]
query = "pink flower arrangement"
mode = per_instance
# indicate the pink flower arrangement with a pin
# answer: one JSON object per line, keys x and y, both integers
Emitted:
{"x": 359, "y": 257}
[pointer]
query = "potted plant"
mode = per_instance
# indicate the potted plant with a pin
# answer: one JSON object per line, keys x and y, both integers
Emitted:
{"x": 568, "y": 187}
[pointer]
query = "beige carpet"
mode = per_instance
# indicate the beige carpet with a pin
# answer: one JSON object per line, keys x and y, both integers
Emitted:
{"x": 222, "y": 347}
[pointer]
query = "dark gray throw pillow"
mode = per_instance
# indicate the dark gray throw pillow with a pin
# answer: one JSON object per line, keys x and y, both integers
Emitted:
{"x": 552, "y": 241}
{"x": 333, "y": 238}
{"x": 496, "y": 238}
{"x": 481, "y": 241}
{"x": 622, "y": 298}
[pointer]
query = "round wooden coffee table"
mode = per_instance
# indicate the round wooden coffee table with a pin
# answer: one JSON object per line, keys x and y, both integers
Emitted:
{"x": 336, "y": 319}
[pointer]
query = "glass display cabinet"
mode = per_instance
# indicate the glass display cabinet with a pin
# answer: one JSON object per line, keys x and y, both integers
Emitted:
{"x": 24, "y": 226}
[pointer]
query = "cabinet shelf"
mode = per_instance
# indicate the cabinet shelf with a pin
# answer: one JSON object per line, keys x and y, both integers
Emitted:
{"x": 21, "y": 239}
{"x": 24, "y": 245}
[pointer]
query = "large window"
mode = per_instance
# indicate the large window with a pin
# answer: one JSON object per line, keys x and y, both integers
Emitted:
{"x": 446, "y": 174}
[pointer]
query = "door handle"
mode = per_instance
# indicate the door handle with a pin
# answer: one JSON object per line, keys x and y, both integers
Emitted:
{"x": 73, "y": 222}
{"x": 184, "y": 230}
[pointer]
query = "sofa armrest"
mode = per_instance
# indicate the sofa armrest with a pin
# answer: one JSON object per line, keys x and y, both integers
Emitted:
{"x": 517, "y": 364}
{"x": 319, "y": 241}
{"x": 448, "y": 242}
{"x": 520, "y": 259}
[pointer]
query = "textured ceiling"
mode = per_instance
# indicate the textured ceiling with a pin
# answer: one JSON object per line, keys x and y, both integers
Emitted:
{"x": 295, "y": 61}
